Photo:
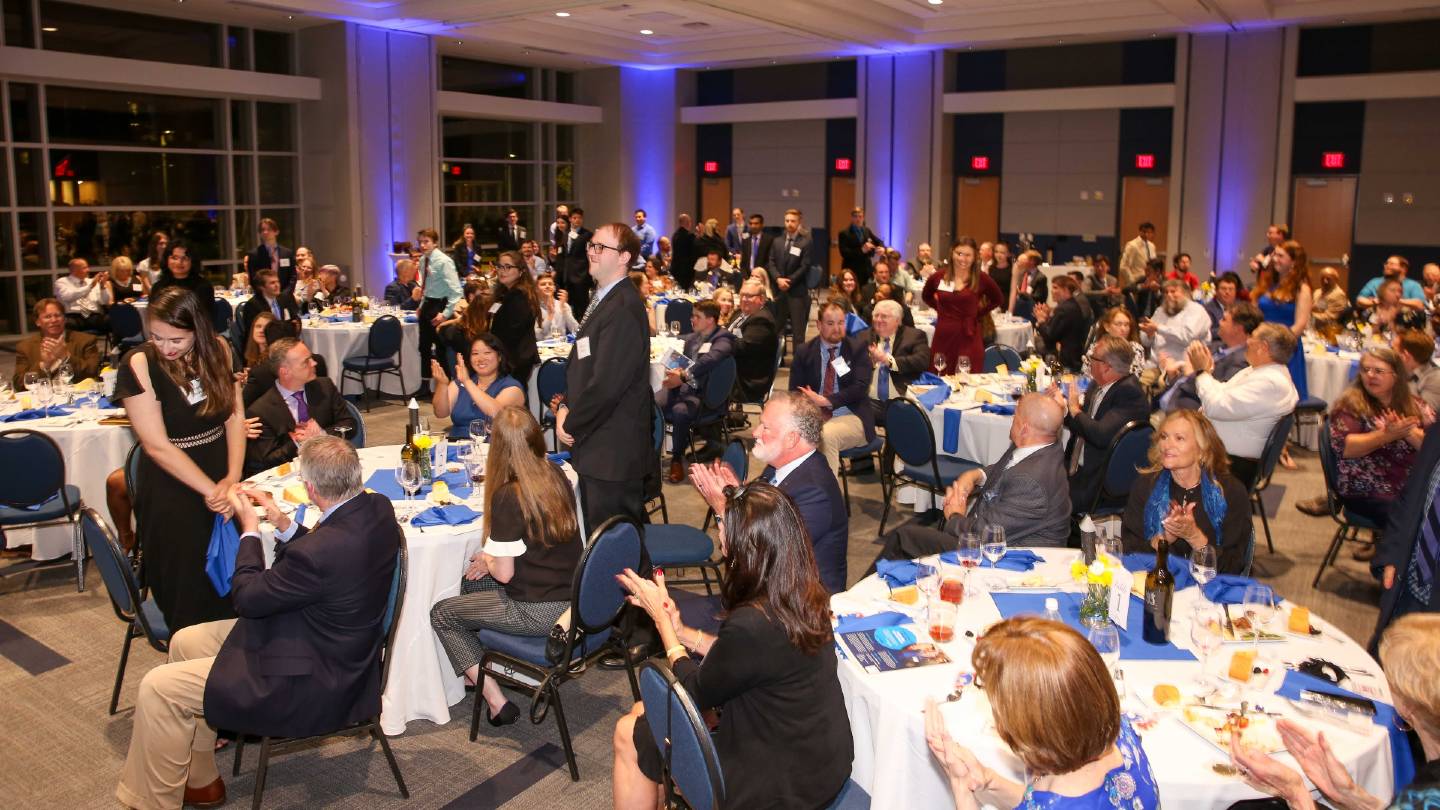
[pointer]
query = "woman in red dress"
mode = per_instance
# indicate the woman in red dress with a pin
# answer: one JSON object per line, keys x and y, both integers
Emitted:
{"x": 960, "y": 296}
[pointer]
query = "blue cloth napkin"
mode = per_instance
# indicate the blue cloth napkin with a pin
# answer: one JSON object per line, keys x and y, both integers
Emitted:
{"x": 1138, "y": 561}
{"x": 950, "y": 441}
{"x": 854, "y": 324}
{"x": 411, "y": 319}
{"x": 220, "y": 555}
{"x": 454, "y": 514}
{"x": 1020, "y": 559}
{"x": 383, "y": 482}
{"x": 1400, "y": 753}
{"x": 856, "y": 624}
{"x": 38, "y": 413}
{"x": 934, "y": 396}
{"x": 560, "y": 457}
{"x": 1133, "y": 646}
{"x": 897, "y": 573}
{"x": 1003, "y": 410}
{"x": 1229, "y": 589}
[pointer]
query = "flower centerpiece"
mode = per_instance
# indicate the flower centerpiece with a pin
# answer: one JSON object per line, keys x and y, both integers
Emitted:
{"x": 1031, "y": 366}
{"x": 1097, "y": 578}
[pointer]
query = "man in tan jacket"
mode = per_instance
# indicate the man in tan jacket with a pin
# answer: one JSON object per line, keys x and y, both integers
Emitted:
{"x": 52, "y": 344}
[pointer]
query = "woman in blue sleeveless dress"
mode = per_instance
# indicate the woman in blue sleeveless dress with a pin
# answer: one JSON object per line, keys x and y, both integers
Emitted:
{"x": 1282, "y": 292}
{"x": 1054, "y": 704}
{"x": 480, "y": 397}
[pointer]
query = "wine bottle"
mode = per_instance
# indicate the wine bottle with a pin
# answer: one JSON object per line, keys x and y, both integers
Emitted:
{"x": 408, "y": 450}
{"x": 1159, "y": 596}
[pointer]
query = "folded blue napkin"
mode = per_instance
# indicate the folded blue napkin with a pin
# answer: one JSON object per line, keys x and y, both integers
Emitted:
{"x": 38, "y": 413}
{"x": 934, "y": 396}
{"x": 854, "y": 324}
{"x": 950, "y": 436}
{"x": 1133, "y": 646}
{"x": 411, "y": 319}
{"x": 560, "y": 457}
{"x": 1401, "y": 754}
{"x": 454, "y": 514}
{"x": 1003, "y": 410}
{"x": 897, "y": 573}
{"x": 1229, "y": 589}
{"x": 1018, "y": 559}
{"x": 856, "y": 624}
{"x": 1141, "y": 561}
{"x": 383, "y": 482}
{"x": 220, "y": 555}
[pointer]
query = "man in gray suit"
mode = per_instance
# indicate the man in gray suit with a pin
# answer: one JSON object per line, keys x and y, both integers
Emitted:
{"x": 1417, "y": 350}
{"x": 1025, "y": 492}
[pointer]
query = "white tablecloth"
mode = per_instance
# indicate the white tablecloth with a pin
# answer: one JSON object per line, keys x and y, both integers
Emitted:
{"x": 92, "y": 451}
{"x": 1017, "y": 334}
{"x": 561, "y": 348}
{"x": 1326, "y": 376}
{"x": 422, "y": 685}
{"x": 337, "y": 341}
{"x": 894, "y": 765}
{"x": 236, "y": 301}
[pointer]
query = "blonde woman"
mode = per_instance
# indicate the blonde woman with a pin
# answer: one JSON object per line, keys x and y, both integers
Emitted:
{"x": 126, "y": 285}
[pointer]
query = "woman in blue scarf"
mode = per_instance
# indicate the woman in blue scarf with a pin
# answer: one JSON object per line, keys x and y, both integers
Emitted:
{"x": 1188, "y": 496}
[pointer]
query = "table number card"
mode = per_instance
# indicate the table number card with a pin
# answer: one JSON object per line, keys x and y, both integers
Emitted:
{"x": 1120, "y": 596}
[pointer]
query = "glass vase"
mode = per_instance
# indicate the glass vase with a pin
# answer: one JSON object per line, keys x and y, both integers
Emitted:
{"x": 1095, "y": 608}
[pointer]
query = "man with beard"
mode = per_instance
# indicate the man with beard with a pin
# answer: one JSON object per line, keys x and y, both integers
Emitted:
{"x": 1175, "y": 325}
{"x": 787, "y": 440}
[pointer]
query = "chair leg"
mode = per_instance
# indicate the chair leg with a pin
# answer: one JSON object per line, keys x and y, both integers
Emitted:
{"x": 1329, "y": 555}
{"x": 709, "y": 515}
{"x": 239, "y": 754}
{"x": 630, "y": 672}
{"x": 886, "y": 513}
{"x": 565, "y": 727}
{"x": 78, "y": 552}
{"x": 390, "y": 757}
{"x": 120, "y": 670}
{"x": 664, "y": 511}
{"x": 1264, "y": 522}
{"x": 845, "y": 485}
{"x": 260, "y": 773}
{"x": 475, "y": 712}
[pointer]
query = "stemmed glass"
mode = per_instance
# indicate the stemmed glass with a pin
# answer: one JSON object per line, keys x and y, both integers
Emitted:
{"x": 5, "y": 392}
{"x": 939, "y": 361}
{"x": 1206, "y": 634}
{"x": 969, "y": 549}
{"x": 44, "y": 394}
{"x": 31, "y": 377}
{"x": 479, "y": 431}
{"x": 344, "y": 431}
{"x": 1203, "y": 566}
{"x": 992, "y": 543}
{"x": 1259, "y": 604}
{"x": 962, "y": 364}
{"x": 407, "y": 475}
{"x": 674, "y": 329}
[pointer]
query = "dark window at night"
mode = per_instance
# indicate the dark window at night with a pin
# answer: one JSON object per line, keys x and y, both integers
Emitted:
{"x": 95, "y": 29}
{"x": 487, "y": 78}
{"x": 486, "y": 140}
{"x": 78, "y": 115}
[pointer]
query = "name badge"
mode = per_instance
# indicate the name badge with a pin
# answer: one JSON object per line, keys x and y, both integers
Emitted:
{"x": 704, "y": 348}
{"x": 495, "y": 307}
{"x": 284, "y": 262}
{"x": 136, "y": 286}
{"x": 582, "y": 348}
{"x": 841, "y": 367}
{"x": 794, "y": 250}
{"x": 196, "y": 393}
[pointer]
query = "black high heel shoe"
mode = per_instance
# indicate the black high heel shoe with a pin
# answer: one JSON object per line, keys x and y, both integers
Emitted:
{"x": 507, "y": 715}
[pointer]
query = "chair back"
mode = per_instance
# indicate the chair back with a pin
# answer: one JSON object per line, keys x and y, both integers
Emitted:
{"x": 691, "y": 762}
{"x": 815, "y": 276}
{"x": 132, "y": 473}
{"x": 719, "y": 383}
{"x": 657, "y": 427}
{"x": 550, "y": 380}
{"x": 1328, "y": 463}
{"x": 222, "y": 313}
{"x": 1127, "y": 453}
{"x": 596, "y": 598}
{"x": 357, "y": 439}
{"x": 393, "y": 605}
{"x": 908, "y": 432}
{"x": 1274, "y": 446}
{"x": 125, "y": 321}
{"x": 998, "y": 355}
{"x": 737, "y": 459}
{"x": 120, "y": 580}
{"x": 386, "y": 335}
{"x": 32, "y": 468}
{"x": 679, "y": 310}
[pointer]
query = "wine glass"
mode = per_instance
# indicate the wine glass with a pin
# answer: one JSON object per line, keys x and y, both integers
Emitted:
{"x": 1106, "y": 640}
{"x": 44, "y": 393}
{"x": 407, "y": 475}
{"x": 31, "y": 377}
{"x": 344, "y": 431}
{"x": 674, "y": 329}
{"x": 1203, "y": 566}
{"x": 939, "y": 361}
{"x": 962, "y": 364}
{"x": 1259, "y": 606}
{"x": 479, "y": 431}
{"x": 5, "y": 392}
{"x": 927, "y": 578}
{"x": 992, "y": 543}
{"x": 1206, "y": 634}
{"x": 969, "y": 549}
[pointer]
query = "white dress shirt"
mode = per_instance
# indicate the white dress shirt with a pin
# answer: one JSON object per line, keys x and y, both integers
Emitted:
{"x": 782, "y": 473}
{"x": 1175, "y": 332}
{"x": 82, "y": 296}
{"x": 1245, "y": 408}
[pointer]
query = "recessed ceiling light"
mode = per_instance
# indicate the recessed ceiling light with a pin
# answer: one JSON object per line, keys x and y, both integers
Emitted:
{"x": 562, "y": 14}
{"x": 49, "y": 30}
{"x": 936, "y": 2}
{"x": 646, "y": 32}
{"x": 289, "y": 16}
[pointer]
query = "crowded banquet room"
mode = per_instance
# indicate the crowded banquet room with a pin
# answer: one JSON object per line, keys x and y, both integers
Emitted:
{"x": 656, "y": 404}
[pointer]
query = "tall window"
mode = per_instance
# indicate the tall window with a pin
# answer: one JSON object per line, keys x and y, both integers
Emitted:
{"x": 490, "y": 167}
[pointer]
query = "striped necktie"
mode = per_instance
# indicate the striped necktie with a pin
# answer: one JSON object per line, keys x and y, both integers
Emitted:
{"x": 1421, "y": 574}
{"x": 594, "y": 301}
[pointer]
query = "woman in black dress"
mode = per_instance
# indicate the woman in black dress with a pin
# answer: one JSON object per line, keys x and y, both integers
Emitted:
{"x": 179, "y": 269}
{"x": 185, "y": 408}
{"x": 784, "y": 738}
{"x": 516, "y": 307}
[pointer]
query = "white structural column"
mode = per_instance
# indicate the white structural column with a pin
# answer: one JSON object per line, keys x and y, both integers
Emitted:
{"x": 898, "y": 127}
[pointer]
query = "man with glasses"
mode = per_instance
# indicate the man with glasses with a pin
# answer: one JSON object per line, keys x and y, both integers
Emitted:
{"x": 757, "y": 342}
{"x": 1114, "y": 398}
{"x": 1245, "y": 408}
{"x": 605, "y": 413}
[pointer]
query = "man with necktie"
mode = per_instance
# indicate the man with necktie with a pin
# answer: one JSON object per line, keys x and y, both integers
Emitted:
{"x": 512, "y": 235}
{"x": 833, "y": 372}
{"x": 1409, "y": 550}
{"x": 857, "y": 246}
{"x": 1114, "y": 398}
{"x": 789, "y": 272}
{"x": 1137, "y": 254}
{"x": 442, "y": 291}
{"x": 755, "y": 246}
{"x": 898, "y": 352}
{"x": 574, "y": 261}
{"x": 757, "y": 343}
{"x": 300, "y": 405}
{"x": 273, "y": 255}
{"x": 269, "y": 297}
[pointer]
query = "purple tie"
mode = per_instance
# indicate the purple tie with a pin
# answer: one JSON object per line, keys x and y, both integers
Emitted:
{"x": 302, "y": 411}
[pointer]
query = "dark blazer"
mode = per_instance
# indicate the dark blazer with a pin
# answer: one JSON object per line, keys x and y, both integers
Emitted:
{"x": 397, "y": 294}
{"x": 721, "y": 345}
{"x": 867, "y": 299}
{"x": 1400, "y": 542}
{"x": 466, "y": 258}
{"x": 852, "y": 256}
{"x": 816, "y": 495}
{"x": 274, "y": 446}
{"x": 84, "y": 356}
{"x": 682, "y": 257}
{"x": 507, "y": 242}
{"x": 852, "y": 389}
{"x": 260, "y": 259}
{"x": 1064, "y": 334}
{"x": 910, "y": 350}
{"x": 724, "y": 274}
{"x": 1187, "y": 397}
{"x": 756, "y": 347}
{"x": 304, "y": 657}
{"x": 609, "y": 391}
{"x": 514, "y": 324}
{"x": 574, "y": 258}
{"x": 789, "y": 265}
{"x": 1125, "y": 401}
{"x": 762, "y": 253}
{"x": 1029, "y": 500}
{"x": 289, "y": 309}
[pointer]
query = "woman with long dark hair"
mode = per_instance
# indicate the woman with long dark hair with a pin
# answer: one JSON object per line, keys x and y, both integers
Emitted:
{"x": 154, "y": 261}
{"x": 1376, "y": 428}
{"x": 185, "y": 407}
{"x": 784, "y": 739}
{"x": 180, "y": 270}
{"x": 517, "y": 314}
{"x": 961, "y": 296}
{"x": 519, "y": 582}
{"x": 477, "y": 398}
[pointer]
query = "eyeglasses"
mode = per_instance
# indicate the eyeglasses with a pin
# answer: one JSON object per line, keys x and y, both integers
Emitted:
{"x": 600, "y": 247}
{"x": 507, "y": 267}
{"x": 1374, "y": 371}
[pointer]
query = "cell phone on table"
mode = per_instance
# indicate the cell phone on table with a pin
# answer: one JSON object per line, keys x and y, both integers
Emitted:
{"x": 1346, "y": 704}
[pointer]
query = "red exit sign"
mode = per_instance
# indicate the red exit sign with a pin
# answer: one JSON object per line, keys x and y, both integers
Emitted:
{"x": 844, "y": 164}
{"x": 1144, "y": 161}
{"x": 1333, "y": 160}
{"x": 712, "y": 167}
{"x": 979, "y": 163}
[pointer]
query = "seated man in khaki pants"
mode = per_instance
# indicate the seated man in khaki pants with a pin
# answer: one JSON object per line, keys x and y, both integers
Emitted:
{"x": 301, "y": 659}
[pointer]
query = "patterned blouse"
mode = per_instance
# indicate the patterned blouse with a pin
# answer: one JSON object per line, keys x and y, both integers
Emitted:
{"x": 1129, "y": 785}
{"x": 1381, "y": 474}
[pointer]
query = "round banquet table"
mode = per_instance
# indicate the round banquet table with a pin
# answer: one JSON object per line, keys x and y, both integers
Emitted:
{"x": 342, "y": 339}
{"x": 886, "y": 709}
{"x": 236, "y": 300}
{"x": 422, "y": 685}
{"x": 1327, "y": 374}
{"x": 1017, "y": 333}
{"x": 92, "y": 451}
{"x": 559, "y": 347}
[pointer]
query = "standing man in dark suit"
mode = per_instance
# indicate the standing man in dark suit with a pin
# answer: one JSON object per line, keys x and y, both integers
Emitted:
{"x": 682, "y": 254}
{"x": 304, "y": 656}
{"x": 576, "y": 261}
{"x": 682, "y": 389}
{"x": 512, "y": 234}
{"x": 755, "y": 245}
{"x": 299, "y": 406}
{"x": 1409, "y": 551}
{"x": 605, "y": 416}
{"x": 833, "y": 371}
{"x": 789, "y": 269}
{"x": 786, "y": 440}
{"x": 1023, "y": 492}
{"x": 273, "y": 255}
{"x": 1062, "y": 326}
{"x": 898, "y": 352}
{"x": 757, "y": 342}
{"x": 1115, "y": 397}
{"x": 857, "y": 247}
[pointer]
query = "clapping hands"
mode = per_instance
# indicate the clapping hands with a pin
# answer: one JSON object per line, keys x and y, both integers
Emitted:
{"x": 711, "y": 480}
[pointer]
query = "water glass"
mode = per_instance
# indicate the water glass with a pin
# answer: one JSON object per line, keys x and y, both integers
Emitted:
{"x": 479, "y": 431}
{"x": 1106, "y": 640}
{"x": 1260, "y": 607}
{"x": 940, "y": 619}
{"x": 939, "y": 361}
{"x": 992, "y": 543}
{"x": 962, "y": 364}
{"x": 1206, "y": 634}
{"x": 927, "y": 579}
{"x": 44, "y": 392}
{"x": 1203, "y": 565}
{"x": 968, "y": 549}
{"x": 674, "y": 329}
{"x": 407, "y": 475}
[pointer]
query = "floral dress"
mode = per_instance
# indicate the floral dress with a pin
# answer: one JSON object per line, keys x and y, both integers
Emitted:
{"x": 1130, "y": 785}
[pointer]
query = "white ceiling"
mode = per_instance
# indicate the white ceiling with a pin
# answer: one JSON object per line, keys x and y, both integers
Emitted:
{"x": 703, "y": 33}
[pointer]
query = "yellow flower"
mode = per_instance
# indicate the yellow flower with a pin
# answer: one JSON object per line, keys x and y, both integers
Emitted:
{"x": 423, "y": 442}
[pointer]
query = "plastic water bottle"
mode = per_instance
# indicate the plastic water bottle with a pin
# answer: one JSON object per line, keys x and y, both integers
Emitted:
{"x": 1052, "y": 610}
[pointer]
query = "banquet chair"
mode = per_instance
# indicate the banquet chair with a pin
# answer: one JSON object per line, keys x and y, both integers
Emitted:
{"x": 132, "y": 491}
{"x": 125, "y": 326}
{"x": 714, "y": 403}
{"x": 140, "y": 614}
{"x": 908, "y": 434}
{"x": 678, "y": 310}
{"x": 998, "y": 355}
{"x": 381, "y": 357}
{"x": 222, "y": 313}
{"x": 738, "y": 460}
{"x": 1123, "y": 459}
{"x": 539, "y": 666}
{"x": 33, "y": 493}
{"x": 389, "y": 620}
{"x": 1269, "y": 457}
{"x": 676, "y": 545}
{"x": 657, "y": 443}
{"x": 1348, "y": 525}
{"x": 849, "y": 456}
{"x": 549, "y": 381}
{"x": 357, "y": 439}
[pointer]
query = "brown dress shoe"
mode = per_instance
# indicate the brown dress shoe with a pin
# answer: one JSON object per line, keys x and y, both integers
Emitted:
{"x": 677, "y": 473}
{"x": 1318, "y": 506}
{"x": 212, "y": 795}
{"x": 1364, "y": 553}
